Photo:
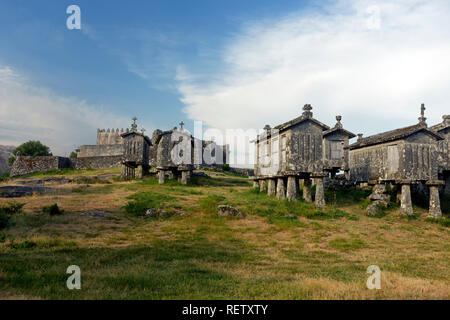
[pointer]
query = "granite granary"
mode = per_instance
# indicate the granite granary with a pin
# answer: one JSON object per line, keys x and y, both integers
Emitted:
{"x": 297, "y": 151}
{"x": 403, "y": 157}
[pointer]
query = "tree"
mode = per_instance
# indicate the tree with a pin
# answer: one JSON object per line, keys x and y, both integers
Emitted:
{"x": 73, "y": 155}
{"x": 30, "y": 148}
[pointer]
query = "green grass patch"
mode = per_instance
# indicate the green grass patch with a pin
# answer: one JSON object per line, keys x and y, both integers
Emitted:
{"x": 444, "y": 221}
{"x": 345, "y": 195}
{"x": 346, "y": 244}
{"x": 142, "y": 201}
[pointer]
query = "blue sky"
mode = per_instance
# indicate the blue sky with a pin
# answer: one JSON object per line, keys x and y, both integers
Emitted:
{"x": 126, "y": 55}
{"x": 229, "y": 63}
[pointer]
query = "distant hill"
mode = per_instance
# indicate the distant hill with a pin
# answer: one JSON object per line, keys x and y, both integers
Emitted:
{"x": 5, "y": 154}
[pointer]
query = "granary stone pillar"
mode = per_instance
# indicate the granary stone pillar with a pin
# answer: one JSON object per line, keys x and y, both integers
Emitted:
{"x": 161, "y": 176}
{"x": 307, "y": 194}
{"x": 140, "y": 172}
{"x": 184, "y": 177}
{"x": 291, "y": 191}
{"x": 320, "y": 193}
{"x": 347, "y": 174}
{"x": 271, "y": 187}
{"x": 255, "y": 184}
{"x": 405, "y": 200}
{"x": 123, "y": 172}
{"x": 281, "y": 190}
{"x": 262, "y": 185}
{"x": 435, "y": 203}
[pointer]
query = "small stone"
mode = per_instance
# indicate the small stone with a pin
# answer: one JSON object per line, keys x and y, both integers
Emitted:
{"x": 152, "y": 213}
{"x": 373, "y": 209}
{"x": 291, "y": 216}
{"x": 229, "y": 211}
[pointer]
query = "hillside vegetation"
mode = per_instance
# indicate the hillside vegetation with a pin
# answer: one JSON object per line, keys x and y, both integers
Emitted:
{"x": 281, "y": 250}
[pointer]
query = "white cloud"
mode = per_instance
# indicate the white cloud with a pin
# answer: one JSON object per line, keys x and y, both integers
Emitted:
{"x": 374, "y": 70}
{"x": 28, "y": 112}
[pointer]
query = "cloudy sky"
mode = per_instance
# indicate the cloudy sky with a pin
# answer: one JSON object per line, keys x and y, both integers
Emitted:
{"x": 230, "y": 63}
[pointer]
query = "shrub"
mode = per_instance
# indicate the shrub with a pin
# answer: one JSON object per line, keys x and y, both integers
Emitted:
{"x": 12, "y": 208}
{"x": 53, "y": 210}
{"x": 4, "y": 220}
{"x": 4, "y": 176}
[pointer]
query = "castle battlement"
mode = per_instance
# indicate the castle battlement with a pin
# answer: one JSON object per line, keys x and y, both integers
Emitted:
{"x": 110, "y": 136}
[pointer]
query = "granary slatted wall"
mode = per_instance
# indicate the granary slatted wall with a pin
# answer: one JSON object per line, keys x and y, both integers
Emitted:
{"x": 444, "y": 151}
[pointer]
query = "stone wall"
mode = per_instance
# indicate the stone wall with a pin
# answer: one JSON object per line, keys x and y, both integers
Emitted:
{"x": 243, "y": 171}
{"x": 97, "y": 162}
{"x": 110, "y": 136}
{"x": 26, "y": 165}
{"x": 100, "y": 150}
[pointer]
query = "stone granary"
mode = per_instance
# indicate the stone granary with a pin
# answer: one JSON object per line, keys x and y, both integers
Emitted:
{"x": 177, "y": 153}
{"x": 402, "y": 157}
{"x": 443, "y": 129}
{"x": 136, "y": 153}
{"x": 300, "y": 149}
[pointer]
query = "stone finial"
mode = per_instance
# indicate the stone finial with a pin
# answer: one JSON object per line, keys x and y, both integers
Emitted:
{"x": 360, "y": 135}
{"x": 338, "y": 123}
{"x": 181, "y": 124}
{"x": 307, "y": 111}
{"x": 267, "y": 127}
{"x": 134, "y": 125}
{"x": 446, "y": 119}
{"x": 422, "y": 115}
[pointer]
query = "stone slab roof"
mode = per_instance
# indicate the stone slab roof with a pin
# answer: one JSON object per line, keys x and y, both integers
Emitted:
{"x": 443, "y": 125}
{"x": 393, "y": 135}
{"x": 137, "y": 133}
{"x": 338, "y": 129}
{"x": 302, "y": 118}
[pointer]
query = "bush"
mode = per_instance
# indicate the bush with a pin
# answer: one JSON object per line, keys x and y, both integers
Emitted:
{"x": 12, "y": 208}
{"x": 4, "y": 220}
{"x": 52, "y": 210}
{"x": 4, "y": 176}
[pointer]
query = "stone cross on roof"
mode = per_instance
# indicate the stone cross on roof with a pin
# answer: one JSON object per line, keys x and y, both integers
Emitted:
{"x": 181, "y": 124}
{"x": 134, "y": 125}
{"x": 422, "y": 114}
{"x": 338, "y": 123}
{"x": 143, "y": 130}
{"x": 307, "y": 111}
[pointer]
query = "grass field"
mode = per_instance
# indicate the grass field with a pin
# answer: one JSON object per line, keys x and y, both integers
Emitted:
{"x": 281, "y": 250}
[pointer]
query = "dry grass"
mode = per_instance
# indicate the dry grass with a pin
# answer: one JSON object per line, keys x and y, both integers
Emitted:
{"x": 201, "y": 256}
